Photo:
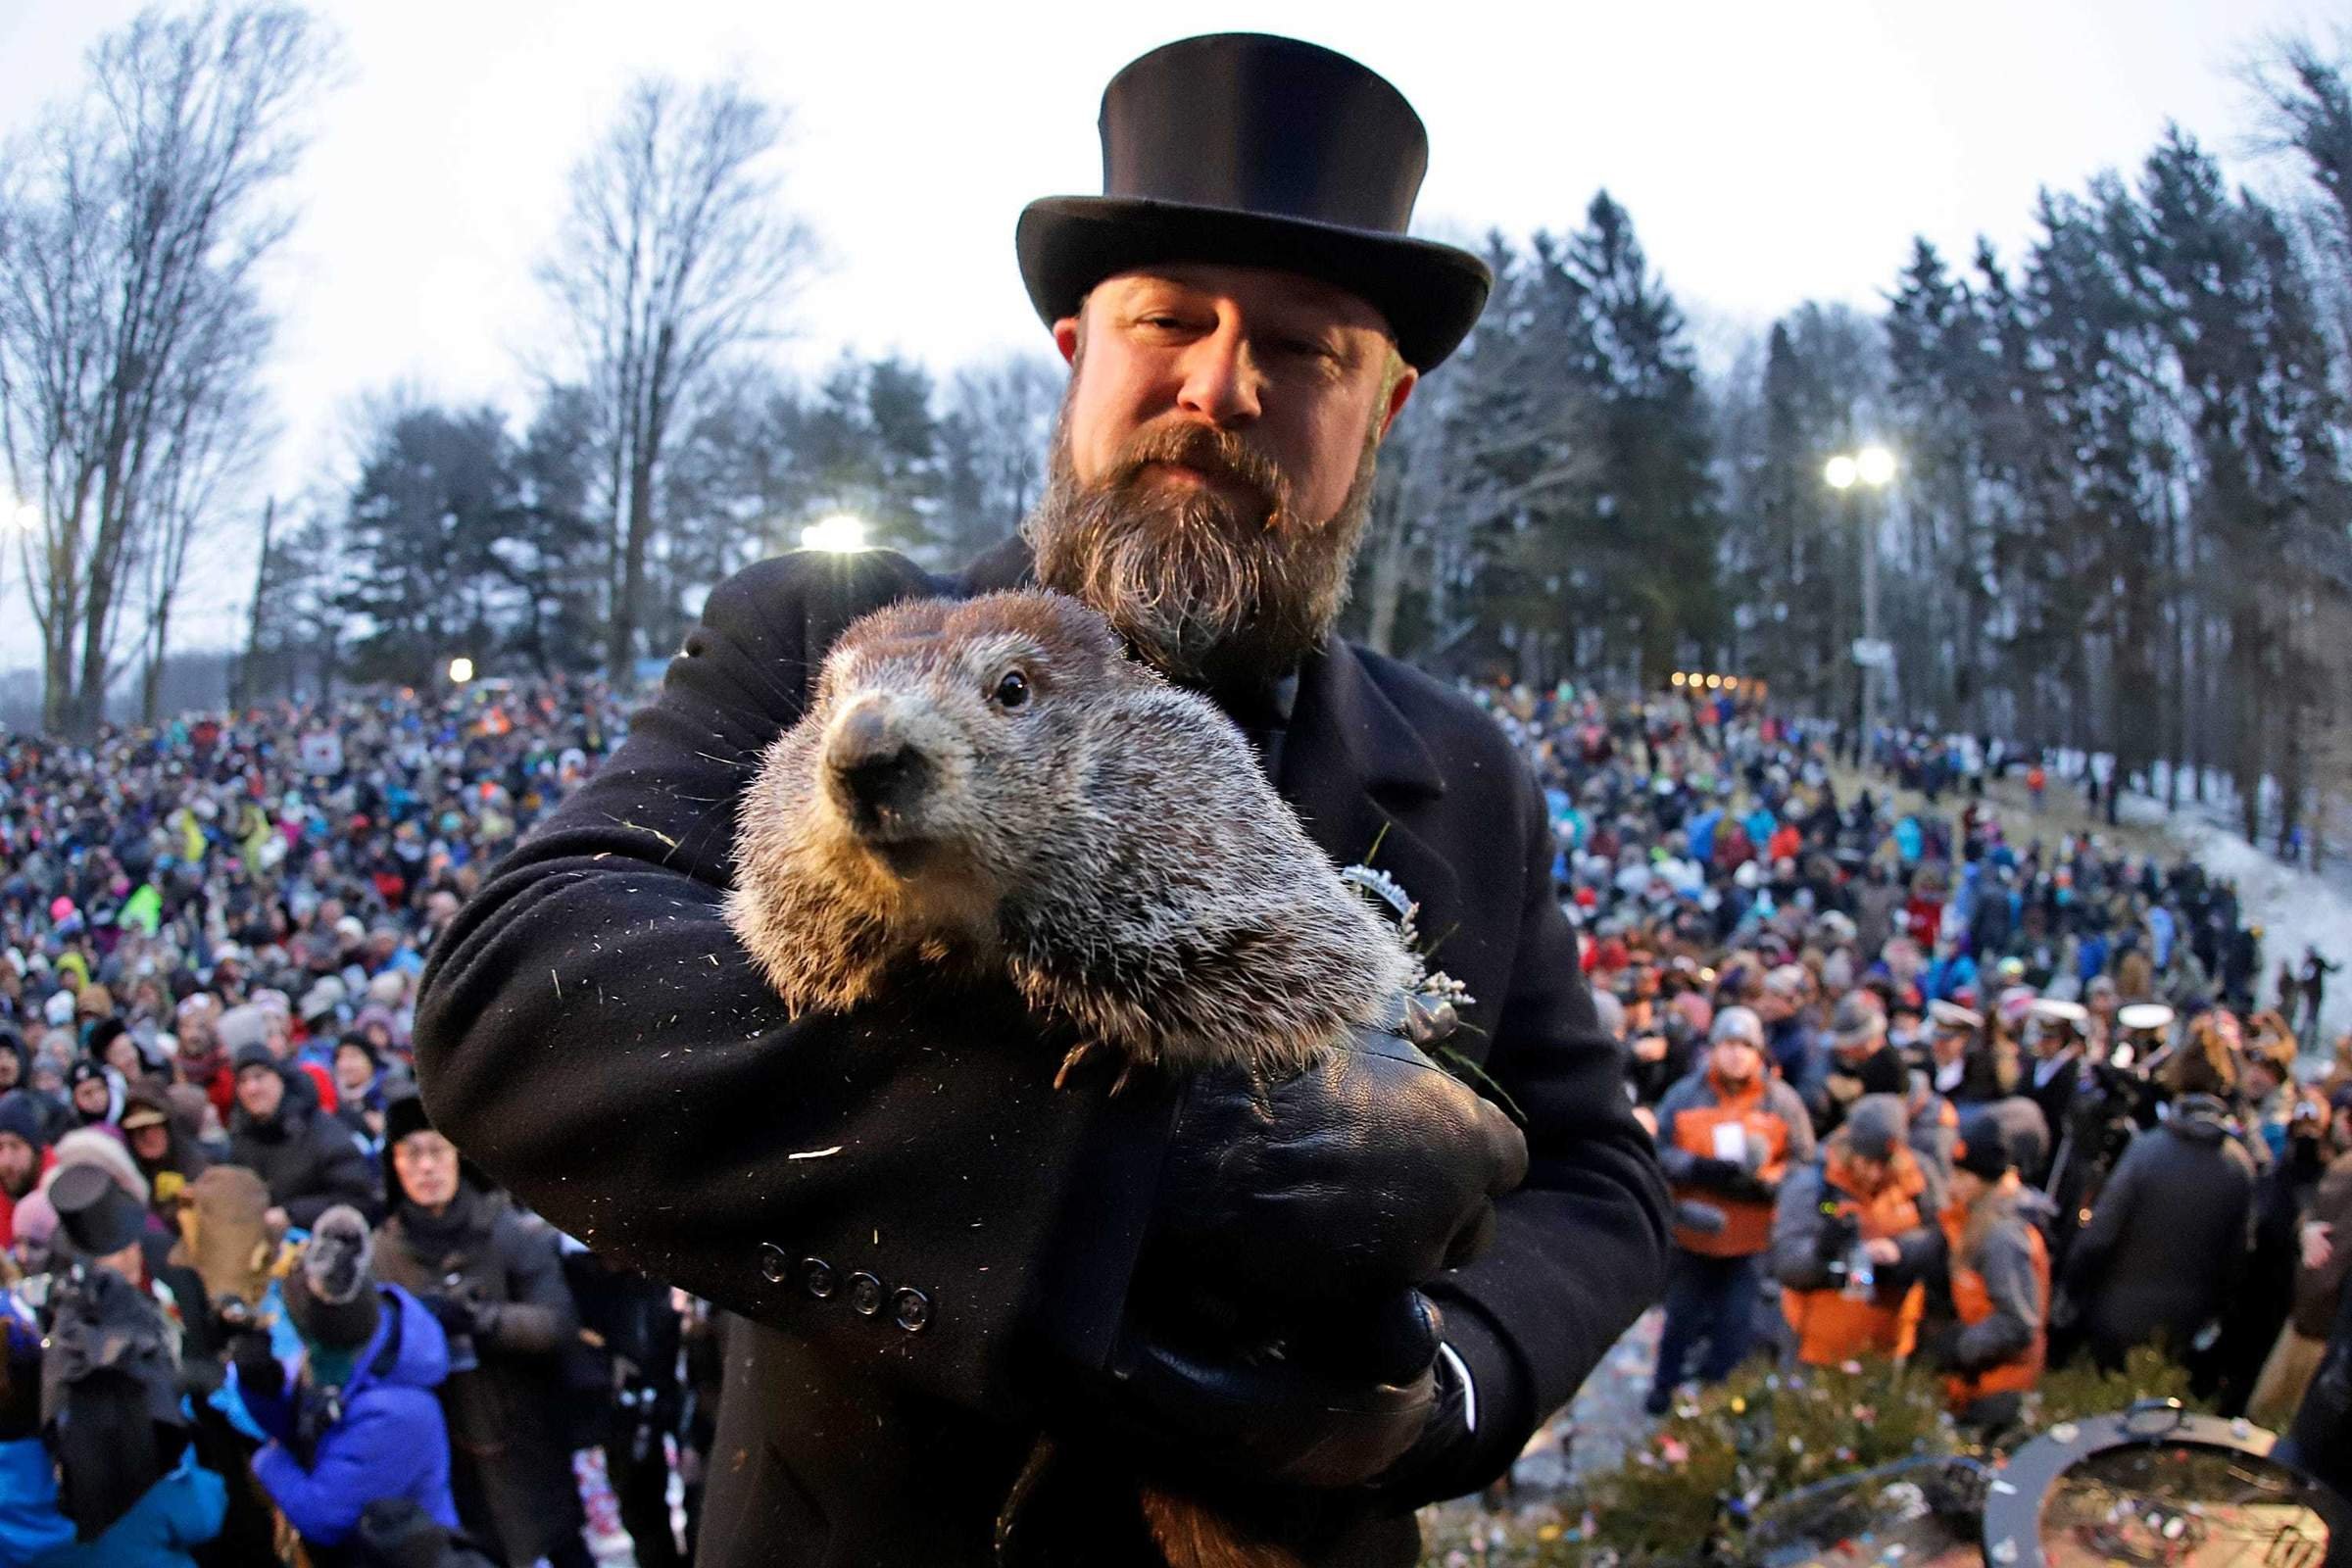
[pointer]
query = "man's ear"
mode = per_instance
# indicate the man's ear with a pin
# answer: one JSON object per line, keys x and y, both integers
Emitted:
{"x": 1066, "y": 338}
{"x": 1406, "y": 377}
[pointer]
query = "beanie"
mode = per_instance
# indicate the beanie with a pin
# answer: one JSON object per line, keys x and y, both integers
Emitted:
{"x": 1986, "y": 1158}
{"x": 1876, "y": 1126}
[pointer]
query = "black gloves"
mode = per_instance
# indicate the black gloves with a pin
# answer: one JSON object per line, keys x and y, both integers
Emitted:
{"x": 1366, "y": 1175}
{"x": 258, "y": 1371}
{"x": 462, "y": 1315}
{"x": 1325, "y": 1414}
{"x": 1274, "y": 1331}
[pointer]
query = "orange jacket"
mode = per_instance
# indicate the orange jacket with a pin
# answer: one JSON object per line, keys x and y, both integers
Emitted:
{"x": 1833, "y": 1327}
{"x": 1973, "y": 1304}
{"x": 1692, "y": 1119}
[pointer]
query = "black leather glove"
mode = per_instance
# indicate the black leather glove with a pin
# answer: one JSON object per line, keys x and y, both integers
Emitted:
{"x": 258, "y": 1371}
{"x": 463, "y": 1316}
{"x": 1369, "y": 1173}
{"x": 1720, "y": 1174}
{"x": 1340, "y": 1409}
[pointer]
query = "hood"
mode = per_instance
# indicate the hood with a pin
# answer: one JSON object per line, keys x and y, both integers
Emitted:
{"x": 2199, "y": 1118}
{"x": 422, "y": 1360}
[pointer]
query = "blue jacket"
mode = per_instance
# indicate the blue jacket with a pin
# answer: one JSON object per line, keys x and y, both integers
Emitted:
{"x": 30, "y": 1527}
{"x": 183, "y": 1509}
{"x": 391, "y": 1442}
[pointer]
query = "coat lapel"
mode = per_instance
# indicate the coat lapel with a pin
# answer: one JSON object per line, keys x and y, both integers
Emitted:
{"x": 1359, "y": 777}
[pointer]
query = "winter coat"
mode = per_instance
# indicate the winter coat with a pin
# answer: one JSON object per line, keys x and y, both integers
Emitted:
{"x": 1990, "y": 1315}
{"x": 308, "y": 1160}
{"x": 391, "y": 1442}
{"x": 509, "y": 1415}
{"x": 1774, "y": 1133}
{"x": 30, "y": 1523}
{"x": 180, "y": 1511}
{"x": 1832, "y": 1327}
{"x": 2168, "y": 1233}
{"x": 651, "y": 1103}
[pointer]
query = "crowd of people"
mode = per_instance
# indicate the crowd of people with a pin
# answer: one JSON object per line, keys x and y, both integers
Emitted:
{"x": 255, "y": 1305}
{"x": 1932, "y": 1083}
{"x": 1926, "y": 1084}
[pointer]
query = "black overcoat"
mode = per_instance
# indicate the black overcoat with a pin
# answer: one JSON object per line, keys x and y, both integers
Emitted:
{"x": 921, "y": 1232}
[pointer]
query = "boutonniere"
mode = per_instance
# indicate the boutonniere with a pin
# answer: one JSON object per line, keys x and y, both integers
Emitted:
{"x": 1434, "y": 1000}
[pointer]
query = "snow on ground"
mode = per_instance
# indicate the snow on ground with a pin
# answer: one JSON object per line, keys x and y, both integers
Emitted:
{"x": 2296, "y": 908}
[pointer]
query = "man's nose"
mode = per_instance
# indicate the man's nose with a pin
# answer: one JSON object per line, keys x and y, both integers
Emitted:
{"x": 1221, "y": 378}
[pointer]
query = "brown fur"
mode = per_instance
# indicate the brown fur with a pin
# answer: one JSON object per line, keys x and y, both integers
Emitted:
{"x": 1111, "y": 846}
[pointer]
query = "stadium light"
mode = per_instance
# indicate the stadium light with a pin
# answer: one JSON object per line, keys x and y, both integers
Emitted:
{"x": 461, "y": 670}
{"x": 1841, "y": 472}
{"x": 841, "y": 532}
{"x": 1875, "y": 465}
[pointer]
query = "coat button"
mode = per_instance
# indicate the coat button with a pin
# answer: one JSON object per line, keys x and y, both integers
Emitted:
{"x": 912, "y": 1309}
{"x": 816, "y": 1277}
{"x": 775, "y": 1266}
{"x": 865, "y": 1295}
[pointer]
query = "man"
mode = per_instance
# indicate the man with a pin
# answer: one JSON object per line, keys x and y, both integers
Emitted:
{"x": 1861, "y": 1061}
{"x": 1850, "y": 1244}
{"x": 1992, "y": 1308}
{"x": 1965, "y": 1067}
{"x": 940, "y": 1256}
{"x": 1727, "y": 1135}
{"x": 309, "y": 1160}
{"x": 2059, "y": 1045}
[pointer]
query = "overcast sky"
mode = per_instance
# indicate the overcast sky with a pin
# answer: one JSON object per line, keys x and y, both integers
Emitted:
{"x": 1769, "y": 153}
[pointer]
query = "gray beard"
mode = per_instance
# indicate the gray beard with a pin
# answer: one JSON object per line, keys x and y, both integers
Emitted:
{"x": 1210, "y": 591}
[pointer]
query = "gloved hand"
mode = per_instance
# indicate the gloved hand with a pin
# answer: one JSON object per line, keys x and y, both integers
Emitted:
{"x": 464, "y": 1315}
{"x": 1340, "y": 1406}
{"x": 1369, "y": 1173}
{"x": 258, "y": 1373}
{"x": 1718, "y": 1174}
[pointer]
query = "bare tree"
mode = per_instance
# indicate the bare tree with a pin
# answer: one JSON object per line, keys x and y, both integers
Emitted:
{"x": 131, "y": 226}
{"x": 675, "y": 252}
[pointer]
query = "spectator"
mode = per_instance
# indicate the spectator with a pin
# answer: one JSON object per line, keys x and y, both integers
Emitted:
{"x": 358, "y": 1423}
{"x": 495, "y": 1281}
{"x": 1849, "y": 1245}
{"x": 1727, "y": 1136}
{"x": 308, "y": 1158}
{"x": 2168, "y": 1235}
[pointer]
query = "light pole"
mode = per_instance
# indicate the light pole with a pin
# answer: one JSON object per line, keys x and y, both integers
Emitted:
{"x": 1872, "y": 467}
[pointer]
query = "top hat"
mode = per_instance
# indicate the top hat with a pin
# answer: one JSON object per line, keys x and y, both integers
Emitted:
{"x": 1242, "y": 148}
{"x": 96, "y": 1216}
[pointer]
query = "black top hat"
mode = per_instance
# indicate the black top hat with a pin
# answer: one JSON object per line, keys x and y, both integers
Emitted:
{"x": 95, "y": 1216}
{"x": 1242, "y": 148}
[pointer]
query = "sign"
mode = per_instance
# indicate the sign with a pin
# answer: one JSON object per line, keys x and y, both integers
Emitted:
{"x": 1874, "y": 653}
{"x": 322, "y": 752}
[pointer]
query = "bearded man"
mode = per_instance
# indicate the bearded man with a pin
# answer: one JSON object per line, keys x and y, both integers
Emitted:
{"x": 934, "y": 1256}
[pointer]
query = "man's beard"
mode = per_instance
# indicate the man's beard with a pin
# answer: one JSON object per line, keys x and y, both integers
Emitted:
{"x": 1212, "y": 590}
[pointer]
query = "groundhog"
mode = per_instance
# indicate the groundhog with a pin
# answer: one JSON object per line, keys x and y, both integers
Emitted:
{"x": 993, "y": 786}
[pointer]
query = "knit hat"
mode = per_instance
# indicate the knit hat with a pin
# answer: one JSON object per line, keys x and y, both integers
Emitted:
{"x": 1986, "y": 1157}
{"x": 332, "y": 1295}
{"x": 21, "y": 1114}
{"x": 240, "y": 1027}
{"x": 256, "y": 1054}
{"x": 1876, "y": 1126}
{"x": 1856, "y": 1021}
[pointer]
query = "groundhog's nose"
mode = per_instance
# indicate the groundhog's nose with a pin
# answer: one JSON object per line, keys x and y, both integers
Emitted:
{"x": 878, "y": 773}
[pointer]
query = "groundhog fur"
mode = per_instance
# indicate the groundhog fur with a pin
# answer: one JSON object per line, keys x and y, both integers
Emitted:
{"x": 1059, "y": 811}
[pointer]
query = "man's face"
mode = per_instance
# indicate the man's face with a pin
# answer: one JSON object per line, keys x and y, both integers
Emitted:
{"x": 11, "y": 1067}
{"x": 1951, "y": 1045}
{"x": 259, "y": 1089}
{"x": 1736, "y": 1059}
{"x": 1213, "y": 463}
{"x": 427, "y": 1166}
{"x": 152, "y": 1142}
{"x": 17, "y": 1164}
{"x": 353, "y": 1070}
{"x": 90, "y": 1096}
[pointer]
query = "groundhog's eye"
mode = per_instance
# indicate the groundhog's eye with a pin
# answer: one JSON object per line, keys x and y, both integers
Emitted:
{"x": 1012, "y": 690}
